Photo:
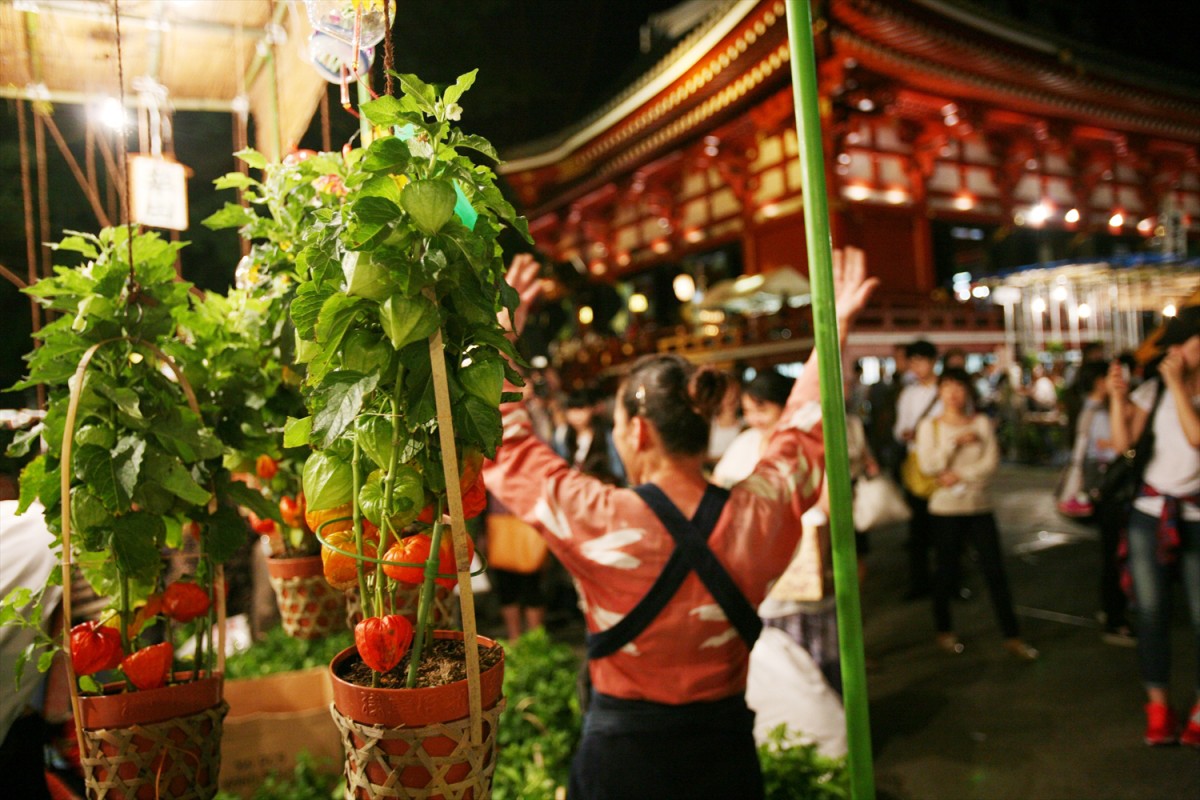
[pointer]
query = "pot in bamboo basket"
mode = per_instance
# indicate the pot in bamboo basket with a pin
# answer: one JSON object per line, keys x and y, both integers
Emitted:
{"x": 131, "y": 467}
{"x": 396, "y": 319}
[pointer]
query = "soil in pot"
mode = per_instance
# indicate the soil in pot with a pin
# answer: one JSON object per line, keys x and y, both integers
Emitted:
{"x": 443, "y": 662}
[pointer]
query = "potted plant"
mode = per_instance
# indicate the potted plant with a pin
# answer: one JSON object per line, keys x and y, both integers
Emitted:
{"x": 133, "y": 470}
{"x": 279, "y": 207}
{"x": 406, "y": 364}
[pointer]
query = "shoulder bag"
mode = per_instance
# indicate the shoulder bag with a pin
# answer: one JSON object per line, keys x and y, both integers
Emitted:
{"x": 1121, "y": 480}
{"x": 918, "y": 483}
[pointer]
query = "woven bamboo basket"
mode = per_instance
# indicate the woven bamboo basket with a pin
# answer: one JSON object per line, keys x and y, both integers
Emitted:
{"x": 309, "y": 607}
{"x": 159, "y": 744}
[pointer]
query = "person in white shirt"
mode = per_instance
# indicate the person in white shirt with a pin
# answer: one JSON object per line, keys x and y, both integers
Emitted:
{"x": 1164, "y": 525}
{"x": 918, "y": 400}
{"x": 726, "y": 424}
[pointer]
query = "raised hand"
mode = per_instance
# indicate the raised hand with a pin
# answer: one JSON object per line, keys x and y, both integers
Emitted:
{"x": 522, "y": 275}
{"x": 851, "y": 286}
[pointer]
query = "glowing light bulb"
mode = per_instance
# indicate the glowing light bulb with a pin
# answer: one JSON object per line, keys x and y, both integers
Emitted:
{"x": 684, "y": 286}
{"x": 1038, "y": 214}
{"x": 1084, "y": 311}
{"x": 1072, "y": 216}
{"x": 1169, "y": 310}
{"x": 1059, "y": 293}
{"x": 1038, "y": 305}
{"x": 638, "y": 303}
{"x": 1116, "y": 220}
{"x": 586, "y": 315}
{"x": 112, "y": 114}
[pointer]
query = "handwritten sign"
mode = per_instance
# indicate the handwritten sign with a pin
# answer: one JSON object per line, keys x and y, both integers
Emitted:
{"x": 159, "y": 198}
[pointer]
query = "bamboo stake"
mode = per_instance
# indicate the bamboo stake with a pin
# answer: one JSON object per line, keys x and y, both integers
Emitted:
{"x": 833, "y": 407}
{"x": 92, "y": 196}
{"x": 458, "y": 530}
{"x": 31, "y": 265}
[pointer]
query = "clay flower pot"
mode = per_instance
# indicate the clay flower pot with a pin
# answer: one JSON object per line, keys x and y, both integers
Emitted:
{"x": 308, "y": 606}
{"x": 417, "y": 738}
{"x": 157, "y": 743}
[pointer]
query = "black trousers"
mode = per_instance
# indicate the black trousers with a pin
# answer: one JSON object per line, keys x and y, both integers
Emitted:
{"x": 22, "y": 760}
{"x": 635, "y": 750}
{"x": 1113, "y": 601}
{"x": 919, "y": 543}
{"x": 950, "y": 533}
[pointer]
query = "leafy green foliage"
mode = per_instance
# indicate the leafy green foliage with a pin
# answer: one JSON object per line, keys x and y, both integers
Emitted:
{"x": 309, "y": 780}
{"x": 794, "y": 770}
{"x": 278, "y": 652}
{"x": 540, "y": 727}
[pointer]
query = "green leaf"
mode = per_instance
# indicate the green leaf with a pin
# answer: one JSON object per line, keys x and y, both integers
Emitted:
{"x": 78, "y": 244}
{"x": 376, "y": 210}
{"x": 235, "y": 180}
{"x": 388, "y": 154}
{"x": 306, "y": 307}
{"x": 479, "y": 422}
{"x": 23, "y": 441}
{"x": 297, "y": 431}
{"x": 91, "y": 521}
{"x": 366, "y": 278}
{"x": 174, "y": 477}
{"x": 374, "y": 435}
{"x": 341, "y": 395}
{"x": 135, "y": 544}
{"x": 381, "y": 186}
{"x": 370, "y": 497}
{"x": 478, "y": 144}
{"x": 484, "y": 379}
{"x": 429, "y": 202}
{"x": 45, "y": 660}
{"x": 224, "y": 534}
{"x": 384, "y": 111}
{"x": 422, "y": 93}
{"x": 96, "y": 467}
{"x": 328, "y": 481}
{"x": 88, "y": 684}
{"x": 127, "y": 456}
{"x": 408, "y": 319}
{"x": 231, "y": 216}
{"x": 464, "y": 82}
{"x": 240, "y": 494}
{"x": 252, "y": 157}
{"x": 335, "y": 319}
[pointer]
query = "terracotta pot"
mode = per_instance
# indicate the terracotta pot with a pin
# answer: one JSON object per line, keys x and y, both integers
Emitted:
{"x": 416, "y": 720}
{"x": 309, "y": 607}
{"x": 157, "y": 744}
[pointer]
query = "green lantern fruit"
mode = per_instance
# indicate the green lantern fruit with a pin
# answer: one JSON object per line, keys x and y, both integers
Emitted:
{"x": 430, "y": 203}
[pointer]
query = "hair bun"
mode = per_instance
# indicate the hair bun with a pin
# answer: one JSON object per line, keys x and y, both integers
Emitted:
{"x": 706, "y": 389}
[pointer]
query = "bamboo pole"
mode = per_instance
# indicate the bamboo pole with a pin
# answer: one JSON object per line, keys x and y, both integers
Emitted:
{"x": 833, "y": 408}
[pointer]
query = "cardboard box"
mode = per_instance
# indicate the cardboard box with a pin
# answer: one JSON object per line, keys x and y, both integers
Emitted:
{"x": 271, "y": 720}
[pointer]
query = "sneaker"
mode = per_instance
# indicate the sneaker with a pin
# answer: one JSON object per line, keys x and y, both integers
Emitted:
{"x": 949, "y": 643}
{"x": 1076, "y": 507}
{"x": 1121, "y": 636}
{"x": 1191, "y": 734}
{"x": 1021, "y": 651}
{"x": 1161, "y": 725}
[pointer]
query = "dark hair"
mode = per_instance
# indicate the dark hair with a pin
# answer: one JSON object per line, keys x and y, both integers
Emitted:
{"x": 677, "y": 398}
{"x": 960, "y": 376}
{"x": 921, "y": 349}
{"x": 953, "y": 352}
{"x": 769, "y": 386}
{"x": 1089, "y": 373}
{"x": 1181, "y": 327}
{"x": 580, "y": 399}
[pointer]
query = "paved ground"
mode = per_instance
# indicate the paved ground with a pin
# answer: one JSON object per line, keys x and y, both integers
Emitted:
{"x": 982, "y": 725}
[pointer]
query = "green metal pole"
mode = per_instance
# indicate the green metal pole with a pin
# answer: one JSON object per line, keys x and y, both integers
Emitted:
{"x": 833, "y": 408}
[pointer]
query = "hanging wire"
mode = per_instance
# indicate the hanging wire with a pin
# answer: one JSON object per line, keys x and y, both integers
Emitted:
{"x": 389, "y": 62}
{"x": 124, "y": 145}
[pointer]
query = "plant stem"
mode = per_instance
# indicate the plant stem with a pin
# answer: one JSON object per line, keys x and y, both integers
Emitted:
{"x": 356, "y": 516}
{"x": 426, "y": 601}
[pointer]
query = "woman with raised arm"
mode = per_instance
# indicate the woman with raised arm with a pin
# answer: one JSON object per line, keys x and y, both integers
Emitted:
{"x": 1164, "y": 525}
{"x": 670, "y": 572}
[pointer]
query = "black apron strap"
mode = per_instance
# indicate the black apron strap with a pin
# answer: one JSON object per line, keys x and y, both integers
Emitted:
{"x": 691, "y": 553}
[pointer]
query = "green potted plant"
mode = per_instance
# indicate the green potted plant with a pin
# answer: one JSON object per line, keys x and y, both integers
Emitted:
{"x": 279, "y": 207}
{"x": 406, "y": 363}
{"x": 132, "y": 470}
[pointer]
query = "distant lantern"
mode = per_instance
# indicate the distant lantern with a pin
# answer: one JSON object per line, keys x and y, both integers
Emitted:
{"x": 1072, "y": 216}
{"x": 1169, "y": 310}
{"x": 684, "y": 286}
{"x": 586, "y": 315}
{"x": 1116, "y": 220}
{"x": 638, "y": 303}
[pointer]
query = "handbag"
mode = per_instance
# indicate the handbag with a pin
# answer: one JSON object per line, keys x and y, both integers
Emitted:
{"x": 878, "y": 501}
{"x": 514, "y": 545}
{"x": 1121, "y": 480}
{"x": 918, "y": 483}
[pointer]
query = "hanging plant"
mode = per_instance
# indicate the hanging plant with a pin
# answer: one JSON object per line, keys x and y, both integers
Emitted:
{"x": 411, "y": 254}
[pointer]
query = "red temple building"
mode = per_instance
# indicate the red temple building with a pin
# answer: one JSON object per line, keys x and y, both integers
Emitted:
{"x": 953, "y": 144}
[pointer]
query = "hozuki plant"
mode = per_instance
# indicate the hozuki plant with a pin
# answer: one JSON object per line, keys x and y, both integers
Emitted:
{"x": 409, "y": 259}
